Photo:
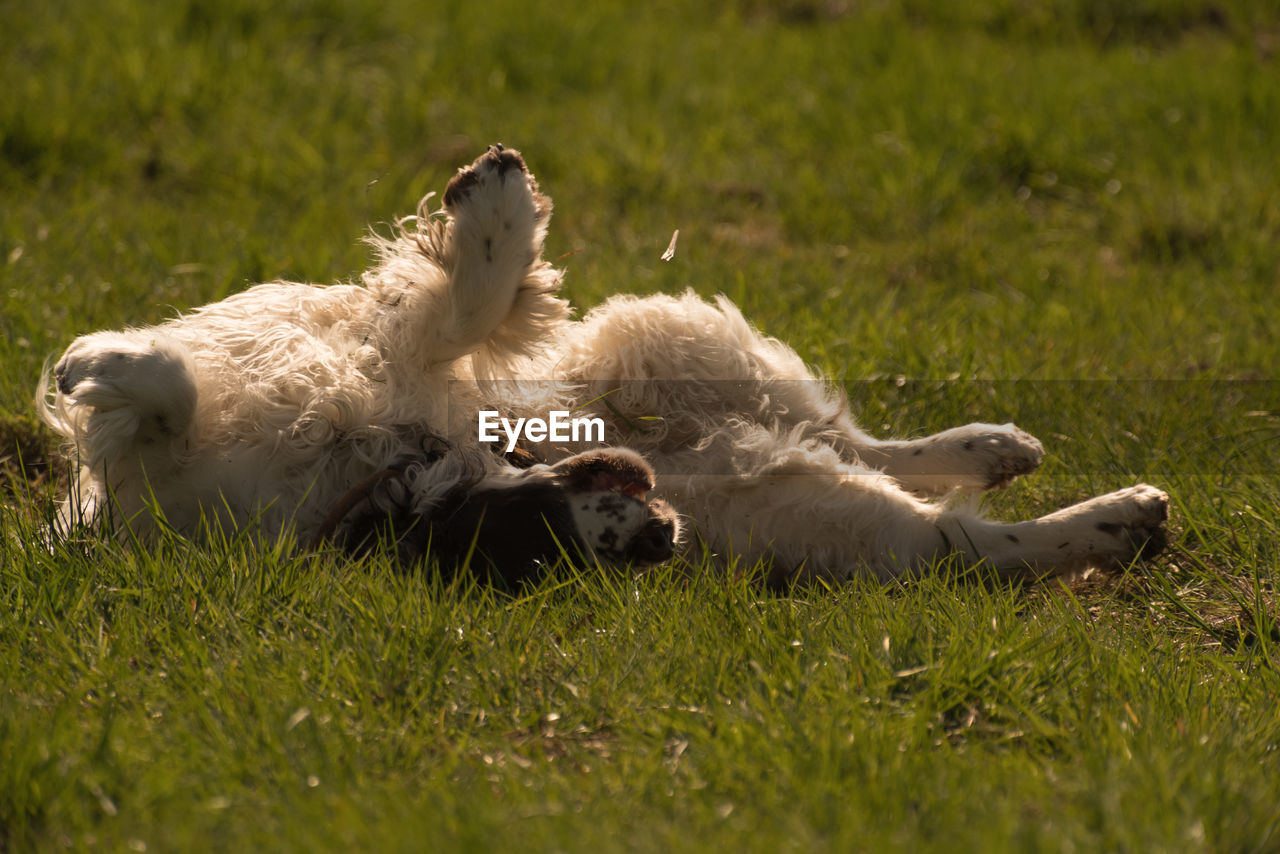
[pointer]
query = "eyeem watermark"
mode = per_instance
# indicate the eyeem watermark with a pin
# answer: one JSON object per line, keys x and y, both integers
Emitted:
{"x": 558, "y": 426}
{"x": 1152, "y": 429}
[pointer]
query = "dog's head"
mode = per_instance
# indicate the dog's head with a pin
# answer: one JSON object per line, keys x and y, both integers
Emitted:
{"x": 607, "y": 492}
{"x": 510, "y": 524}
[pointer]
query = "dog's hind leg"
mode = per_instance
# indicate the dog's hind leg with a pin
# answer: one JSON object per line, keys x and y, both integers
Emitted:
{"x": 496, "y": 297}
{"x": 125, "y": 401}
{"x": 119, "y": 391}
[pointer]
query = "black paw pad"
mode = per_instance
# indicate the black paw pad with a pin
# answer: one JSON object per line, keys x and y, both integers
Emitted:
{"x": 459, "y": 186}
{"x": 505, "y": 159}
{"x": 498, "y": 159}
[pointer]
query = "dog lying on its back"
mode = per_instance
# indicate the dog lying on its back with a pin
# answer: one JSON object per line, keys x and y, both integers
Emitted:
{"x": 349, "y": 412}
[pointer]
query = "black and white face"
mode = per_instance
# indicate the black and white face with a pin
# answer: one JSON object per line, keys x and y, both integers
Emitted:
{"x": 607, "y": 492}
{"x": 594, "y": 504}
{"x": 511, "y": 525}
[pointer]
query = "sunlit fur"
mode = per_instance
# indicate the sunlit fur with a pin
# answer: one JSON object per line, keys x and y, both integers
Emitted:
{"x": 267, "y": 407}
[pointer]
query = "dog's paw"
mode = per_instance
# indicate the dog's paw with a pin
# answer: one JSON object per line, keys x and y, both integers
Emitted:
{"x": 498, "y": 183}
{"x": 1137, "y": 518}
{"x": 110, "y": 371}
{"x": 497, "y": 161}
{"x": 973, "y": 458}
{"x": 498, "y": 216}
{"x": 1000, "y": 452}
{"x": 1120, "y": 526}
{"x": 96, "y": 368}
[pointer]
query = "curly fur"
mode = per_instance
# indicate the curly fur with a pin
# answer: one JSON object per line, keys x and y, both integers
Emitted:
{"x": 271, "y": 406}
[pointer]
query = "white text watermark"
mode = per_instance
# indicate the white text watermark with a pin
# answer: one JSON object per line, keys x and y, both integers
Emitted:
{"x": 558, "y": 426}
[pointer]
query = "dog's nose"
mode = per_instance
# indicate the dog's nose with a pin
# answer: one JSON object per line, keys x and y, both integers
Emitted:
{"x": 655, "y": 543}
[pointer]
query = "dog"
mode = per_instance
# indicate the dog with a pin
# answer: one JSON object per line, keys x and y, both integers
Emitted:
{"x": 353, "y": 414}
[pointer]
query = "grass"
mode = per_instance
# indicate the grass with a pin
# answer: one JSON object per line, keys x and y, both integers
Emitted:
{"x": 1060, "y": 212}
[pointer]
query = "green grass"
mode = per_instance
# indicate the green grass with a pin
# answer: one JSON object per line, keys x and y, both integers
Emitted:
{"x": 1039, "y": 198}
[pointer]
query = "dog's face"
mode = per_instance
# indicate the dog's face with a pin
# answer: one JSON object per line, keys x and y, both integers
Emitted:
{"x": 606, "y": 491}
{"x": 512, "y": 525}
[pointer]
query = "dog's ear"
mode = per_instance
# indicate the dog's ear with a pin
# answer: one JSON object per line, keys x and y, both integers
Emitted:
{"x": 510, "y": 533}
{"x": 608, "y": 470}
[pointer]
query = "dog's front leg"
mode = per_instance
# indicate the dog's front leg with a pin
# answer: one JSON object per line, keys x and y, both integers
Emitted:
{"x": 1108, "y": 530}
{"x": 816, "y": 517}
{"x": 969, "y": 459}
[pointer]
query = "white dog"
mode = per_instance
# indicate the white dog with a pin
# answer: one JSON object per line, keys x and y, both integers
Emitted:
{"x": 354, "y": 413}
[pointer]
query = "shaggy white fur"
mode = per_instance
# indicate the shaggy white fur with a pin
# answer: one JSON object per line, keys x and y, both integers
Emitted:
{"x": 270, "y": 407}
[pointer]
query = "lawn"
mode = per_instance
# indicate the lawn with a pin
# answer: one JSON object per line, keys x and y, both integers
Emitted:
{"x": 1064, "y": 213}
